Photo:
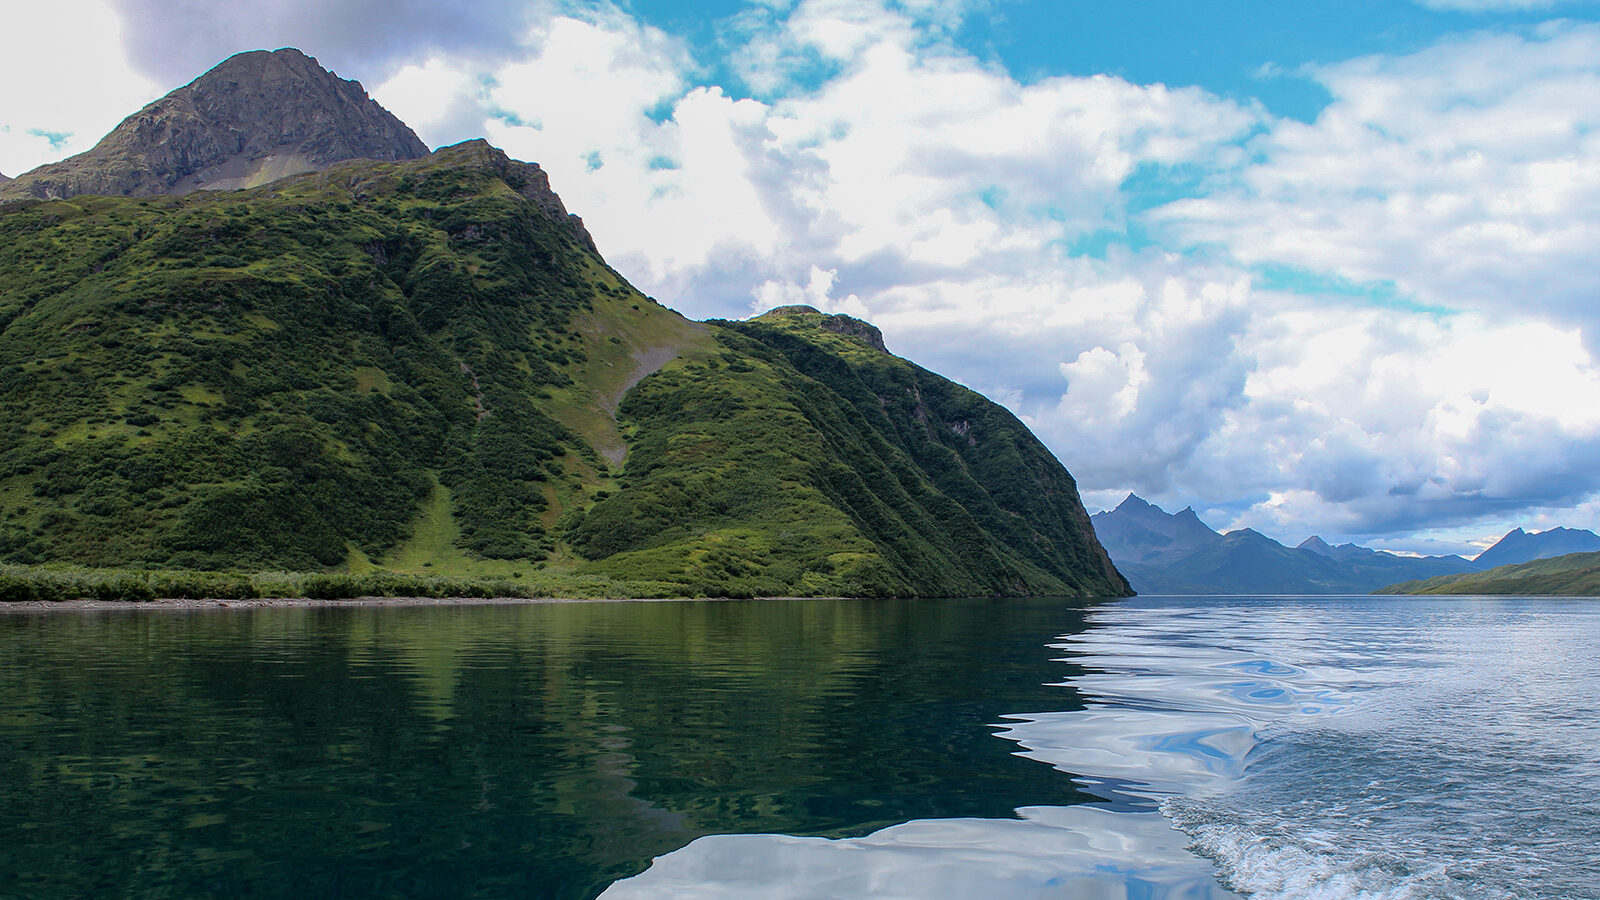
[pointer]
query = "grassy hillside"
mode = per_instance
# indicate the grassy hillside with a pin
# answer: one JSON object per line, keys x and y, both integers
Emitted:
{"x": 794, "y": 457}
{"x": 1573, "y": 575}
{"x": 420, "y": 368}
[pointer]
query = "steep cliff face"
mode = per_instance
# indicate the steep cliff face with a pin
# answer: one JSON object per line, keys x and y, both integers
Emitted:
{"x": 256, "y": 117}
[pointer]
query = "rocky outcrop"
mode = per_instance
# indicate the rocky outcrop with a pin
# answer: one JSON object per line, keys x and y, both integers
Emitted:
{"x": 838, "y": 323}
{"x": 525, "y": 178}
{"x": 256, "y": 117}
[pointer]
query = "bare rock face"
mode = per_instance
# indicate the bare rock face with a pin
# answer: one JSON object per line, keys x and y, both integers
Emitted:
{"x": 256, "y": 117}
{"x": 3, "y": 178}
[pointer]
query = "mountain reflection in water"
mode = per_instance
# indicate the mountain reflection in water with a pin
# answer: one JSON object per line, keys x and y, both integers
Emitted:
{"x": 500, "y": 751}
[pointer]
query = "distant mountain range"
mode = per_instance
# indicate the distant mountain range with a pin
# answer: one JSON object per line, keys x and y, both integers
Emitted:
{"x": 1520, "y": 547}
{"x": 1568, "y": 575}
{"x": 1170, "y": 553}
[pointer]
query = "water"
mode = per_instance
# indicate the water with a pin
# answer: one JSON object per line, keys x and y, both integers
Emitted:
{"x": 1398, "y": 748}
{"x": 1305, "y": 748}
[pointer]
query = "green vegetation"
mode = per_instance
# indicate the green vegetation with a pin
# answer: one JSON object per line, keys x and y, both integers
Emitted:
{"x": 795, "y": 456}
{"x": 1573, "y": 575}
{"x": 417, "y": 368}
{"x": 27, "y": 584}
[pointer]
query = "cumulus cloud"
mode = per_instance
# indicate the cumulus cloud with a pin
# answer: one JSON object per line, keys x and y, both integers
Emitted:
{"x": 1464, "y": 175}
{"x": 90, "y": 86}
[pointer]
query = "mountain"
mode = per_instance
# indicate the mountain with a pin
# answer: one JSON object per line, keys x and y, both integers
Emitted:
{"x": 1519, "y": 546}
{"x": 254, "y": 118}
{"x": 1138, "y": 532}
{"x": 424, "y": 366}
{"x": 3, "y": 178}
{"x": 1163, "y": 553}
{"x": 1573, "y": 575}
{"x": 1317, "y": 545}
{"x": 1248, "y": 562}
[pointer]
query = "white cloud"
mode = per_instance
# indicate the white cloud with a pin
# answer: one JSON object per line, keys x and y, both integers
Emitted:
{"x": 816, "y": 292}
{"x": 1467, "y": 175}
{"x": 89, "y": 87}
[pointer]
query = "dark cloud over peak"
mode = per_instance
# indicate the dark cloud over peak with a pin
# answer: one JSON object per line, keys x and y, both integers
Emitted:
{"x": 176, "y": 40}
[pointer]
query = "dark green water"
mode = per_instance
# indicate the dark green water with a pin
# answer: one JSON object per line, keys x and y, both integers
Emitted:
{"x": 497, "y": 751}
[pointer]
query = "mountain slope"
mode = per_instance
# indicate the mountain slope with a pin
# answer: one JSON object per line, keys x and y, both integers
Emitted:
{"x": 1519, "y": 546}
{"x": 1573, "y": 575}
{"x": 1248, "y": 562}
{"x": 256, "y": 117}
{"x": 263, "y": 378}
{"x": 797, "y": 454}
{"x": 424, "y": 366}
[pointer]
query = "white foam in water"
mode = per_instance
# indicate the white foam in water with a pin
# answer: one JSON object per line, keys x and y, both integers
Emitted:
{"x": 1284, "y": 867}
{"x": 1071, "y": 853}
{"x": 1402, "y": 750}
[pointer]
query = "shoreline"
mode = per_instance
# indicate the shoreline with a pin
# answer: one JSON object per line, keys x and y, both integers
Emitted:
{"x": 86, "y": 605}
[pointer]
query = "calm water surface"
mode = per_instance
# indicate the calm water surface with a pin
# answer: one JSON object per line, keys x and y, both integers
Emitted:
{"x": 1305, "y": 748}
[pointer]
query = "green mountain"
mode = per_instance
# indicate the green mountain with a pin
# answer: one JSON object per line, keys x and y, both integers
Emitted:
{"x": 1573, "y": 575}
{"x": 424, "y": 366}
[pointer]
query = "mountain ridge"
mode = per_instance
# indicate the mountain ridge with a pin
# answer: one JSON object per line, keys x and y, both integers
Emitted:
{"x": 1245, "y": 561}
{"x": 1519, "y": 546}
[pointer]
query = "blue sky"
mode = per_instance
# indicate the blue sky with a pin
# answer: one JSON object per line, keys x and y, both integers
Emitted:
{"x": 1247, "y": 50}
{"x": 1312, "y": 268}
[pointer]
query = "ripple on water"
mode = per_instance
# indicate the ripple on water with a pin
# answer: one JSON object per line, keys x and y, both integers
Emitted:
{"x": 1378, "y": 749}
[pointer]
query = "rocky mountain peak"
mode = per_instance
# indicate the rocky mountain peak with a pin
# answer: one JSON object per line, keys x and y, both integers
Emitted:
{"x": 1316, "y": 545}
{"x": 1133, "y": 503}
{"x": 254, "y": 118}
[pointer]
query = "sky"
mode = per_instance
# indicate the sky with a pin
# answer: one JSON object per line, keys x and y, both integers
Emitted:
{"x": 1323, "y": 267}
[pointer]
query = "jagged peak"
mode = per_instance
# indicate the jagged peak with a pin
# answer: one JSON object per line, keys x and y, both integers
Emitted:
{"x": 1134, "y": 501}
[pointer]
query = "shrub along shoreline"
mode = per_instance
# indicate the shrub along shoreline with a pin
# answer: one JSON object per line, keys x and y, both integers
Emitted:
{"x": 34, "y": 584}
